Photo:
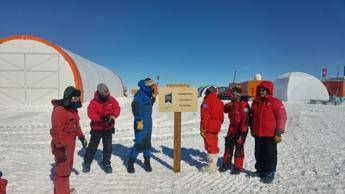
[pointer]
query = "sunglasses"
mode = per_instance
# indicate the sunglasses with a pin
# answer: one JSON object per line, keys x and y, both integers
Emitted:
{"x": 75, "y": 98}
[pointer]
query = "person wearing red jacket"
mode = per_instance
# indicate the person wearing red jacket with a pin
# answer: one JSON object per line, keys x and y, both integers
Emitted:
{"x": 238, "y": 113}
{"x": 102, "y": 110}
{"x": 3, "y": 184}
{"x": 212, "y": 117}
{"x": 268, "y": 124}
{"x": 65, "y": 129}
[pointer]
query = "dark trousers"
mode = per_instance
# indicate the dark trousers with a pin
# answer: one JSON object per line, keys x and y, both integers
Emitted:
{"x": 91, "y": 149}
{"x": 265, "y": 154}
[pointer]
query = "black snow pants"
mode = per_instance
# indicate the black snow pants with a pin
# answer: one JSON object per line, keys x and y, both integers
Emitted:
{"x": 265, "y": 154}
{"x": 91, "y": 149}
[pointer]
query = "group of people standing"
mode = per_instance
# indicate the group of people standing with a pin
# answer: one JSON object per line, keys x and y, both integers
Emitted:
{"x": 102, "y": 111}
{"x": 266, "y": 119}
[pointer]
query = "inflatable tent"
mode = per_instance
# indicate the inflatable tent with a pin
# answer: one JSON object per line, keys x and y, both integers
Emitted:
{"x": 34, "y": 71}
{"x": 298, "y": 86}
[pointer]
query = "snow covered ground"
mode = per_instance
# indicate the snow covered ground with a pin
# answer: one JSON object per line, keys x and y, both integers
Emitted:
{"x": 311, "y": 157}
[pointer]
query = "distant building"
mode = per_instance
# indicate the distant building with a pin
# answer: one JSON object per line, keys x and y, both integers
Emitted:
{"x": 34, "y": 71}
{"x": 335, "y": 86}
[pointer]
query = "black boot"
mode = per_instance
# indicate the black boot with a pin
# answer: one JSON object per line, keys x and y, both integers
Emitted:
{"x": 86, "y": 167}
{"x": 235, "y": 170}
{"x": 267, "y": 177}
{"x": 257, "y": 174}
{"x": 108, "y": 169}
{"x": 130, "y": 166}
{"x": 225, "y": 166}
{"x": 147, "y": 164}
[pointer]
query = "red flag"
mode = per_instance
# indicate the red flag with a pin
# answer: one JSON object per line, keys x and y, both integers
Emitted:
{"x": 324, "y": 72}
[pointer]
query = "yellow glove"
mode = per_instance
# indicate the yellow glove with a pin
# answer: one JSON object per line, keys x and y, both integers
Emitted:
{"x": 277, "y": 138}
{"x": 202, "y": 132}
{"x": 140, "y": 125}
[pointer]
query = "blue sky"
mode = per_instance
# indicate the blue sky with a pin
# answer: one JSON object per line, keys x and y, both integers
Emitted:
{"x": 196, "y": 42}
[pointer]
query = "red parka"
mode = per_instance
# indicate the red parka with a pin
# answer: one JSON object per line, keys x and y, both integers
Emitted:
{"x": 268, "y": 114}
{"x": 212, "y": 115}
{"x": 238, "y": 115}
{"x": 65, "y": 129}
{"x": 3, "y": 183}
{"x": 65, "y": 125}
{"x": 97, "y": 109}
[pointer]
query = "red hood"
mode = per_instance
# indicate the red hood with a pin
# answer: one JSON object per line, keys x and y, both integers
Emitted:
{"x": 212, "y": 95}
{"x": 95, "y": 95}
{"x": 268, "y": 85}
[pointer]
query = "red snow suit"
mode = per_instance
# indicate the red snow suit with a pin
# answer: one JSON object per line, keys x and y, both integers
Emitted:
{"x": 65, "y": 129}
{"x": 3, "y": 183}
{"x": 97, "y": 109}
{"x": 238, "y": 113}
{"x": 268, "y": 114}
{"x": 212, "y": 117}
{"x": 238, "y": 116}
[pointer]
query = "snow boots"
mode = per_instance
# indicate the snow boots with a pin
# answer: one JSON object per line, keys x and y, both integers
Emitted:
{"x": 235, "y": 170}
{"x": 211, "y": 167}
{"x": 108, "y": 169}
{"x": 267, "y": 177}
{"x": 130, "y": 166}
{"x": 86, "y": 167}
{"x": 72, "y": 191}
{"x": 257, "y": 174}
{"x": 147, "y": 164}
{"x": 225, "y": 166}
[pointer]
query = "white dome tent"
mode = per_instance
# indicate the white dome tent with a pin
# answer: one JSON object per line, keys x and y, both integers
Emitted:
{"x": 298, "y": 86}
{"x": 34, "y": 71}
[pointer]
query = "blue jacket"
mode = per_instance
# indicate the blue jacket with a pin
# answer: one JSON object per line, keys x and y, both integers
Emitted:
{"x": 142, "y": 105}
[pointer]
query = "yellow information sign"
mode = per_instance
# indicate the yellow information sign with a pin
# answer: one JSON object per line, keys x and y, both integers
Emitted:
{"x": 177, "y": 99}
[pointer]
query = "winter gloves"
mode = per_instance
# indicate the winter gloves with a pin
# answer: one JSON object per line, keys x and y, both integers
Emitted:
{"x": 139, "y": 125}
{"x": 105, "y": 118}
{"x": 202, "y": 132}
{"x": 60, "y": 155}
{"x": 108, "y": 118}
{"x": 278, "y": 136}
{"x": 83, "y": 141}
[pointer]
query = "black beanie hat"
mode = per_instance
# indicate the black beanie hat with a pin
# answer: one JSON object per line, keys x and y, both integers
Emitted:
{"x": 236, "y": 90}
{"x": 210, "y": 90}
{"x": 69, "y": 92}
{"x": 148, "y": 82}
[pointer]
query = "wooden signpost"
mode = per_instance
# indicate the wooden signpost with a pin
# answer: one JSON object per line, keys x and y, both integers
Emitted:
{"x": 177, "y": 98}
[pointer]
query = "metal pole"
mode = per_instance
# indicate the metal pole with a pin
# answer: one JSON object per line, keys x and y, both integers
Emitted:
{"x": 234, "y": 77}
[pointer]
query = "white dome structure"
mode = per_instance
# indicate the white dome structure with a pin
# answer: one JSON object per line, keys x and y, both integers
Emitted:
{"x": 35, "y": 71}
{"x": 298, "y": 86}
